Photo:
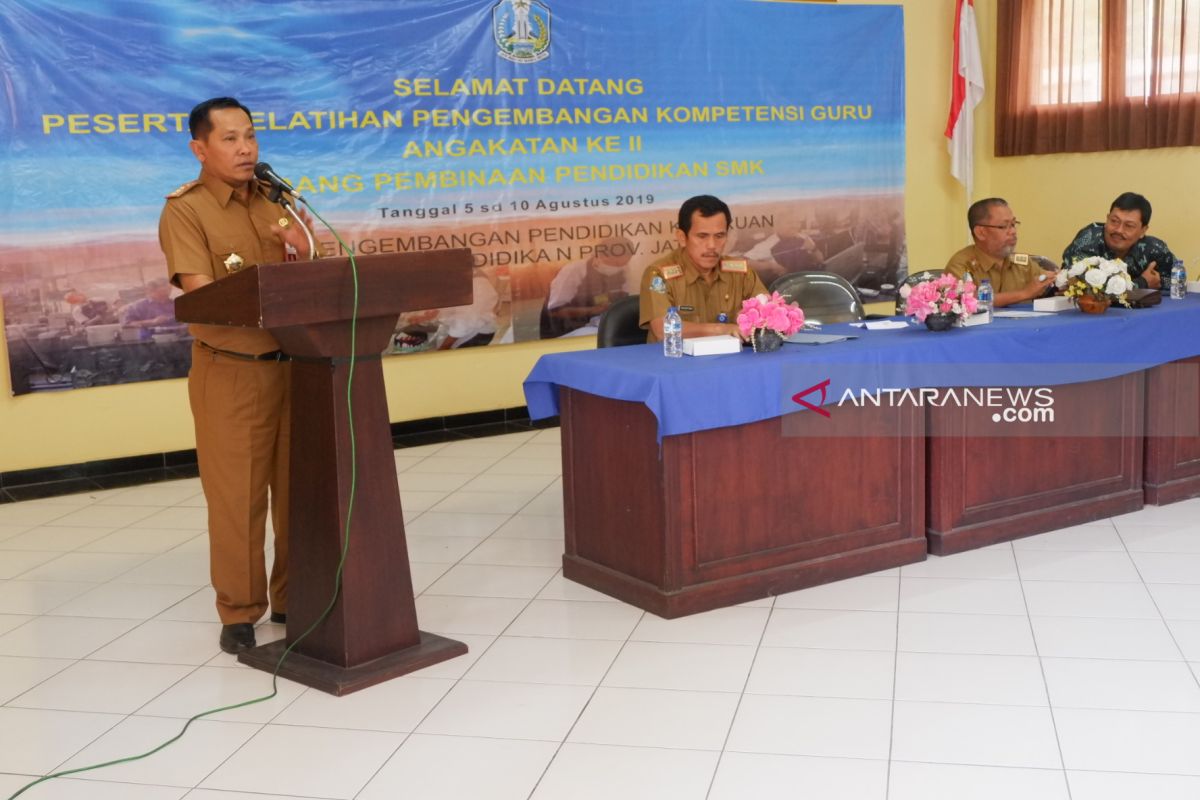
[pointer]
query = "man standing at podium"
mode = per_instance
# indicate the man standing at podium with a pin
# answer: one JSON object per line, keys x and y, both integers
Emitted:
{"x": 238, "y": 385}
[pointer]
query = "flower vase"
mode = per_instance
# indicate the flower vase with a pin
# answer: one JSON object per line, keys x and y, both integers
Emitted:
{"x": 1091, "y": 304}
{"x": 939, "y": 322}
{"x": 765, "y": 340}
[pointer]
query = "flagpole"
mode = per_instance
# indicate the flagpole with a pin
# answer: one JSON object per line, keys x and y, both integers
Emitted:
{"x": 966, "y": 92}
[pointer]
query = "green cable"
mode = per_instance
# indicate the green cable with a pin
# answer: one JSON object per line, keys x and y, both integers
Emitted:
{"x": 337, "y": 580}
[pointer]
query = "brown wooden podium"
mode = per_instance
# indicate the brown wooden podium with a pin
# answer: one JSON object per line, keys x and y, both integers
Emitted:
{"x": 371, "y": 635}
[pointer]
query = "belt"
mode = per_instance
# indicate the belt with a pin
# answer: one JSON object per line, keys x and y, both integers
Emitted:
{"x": 274, "y": 355}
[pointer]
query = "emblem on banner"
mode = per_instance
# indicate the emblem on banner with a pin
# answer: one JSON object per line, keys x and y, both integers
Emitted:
{"x": 522, "y": 30}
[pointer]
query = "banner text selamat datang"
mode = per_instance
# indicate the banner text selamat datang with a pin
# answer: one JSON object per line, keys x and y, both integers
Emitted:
{"x": 145, "y": 122}
{"x": 423, "y": 146}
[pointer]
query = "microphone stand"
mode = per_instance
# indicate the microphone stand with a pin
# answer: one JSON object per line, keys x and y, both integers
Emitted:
{"x": 312, "y": 245}
{"x": 276, "y": 195}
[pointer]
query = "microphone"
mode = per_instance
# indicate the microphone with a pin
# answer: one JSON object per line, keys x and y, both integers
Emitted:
{"x": 263, "y": 171}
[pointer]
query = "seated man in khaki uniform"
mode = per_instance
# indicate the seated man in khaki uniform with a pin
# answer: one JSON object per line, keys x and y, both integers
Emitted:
{"x": 707, "y": 289}
{"x": 1015, "y": 277}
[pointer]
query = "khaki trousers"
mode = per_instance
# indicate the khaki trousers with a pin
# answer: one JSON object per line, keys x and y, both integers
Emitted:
{"x": 241, "y": 409}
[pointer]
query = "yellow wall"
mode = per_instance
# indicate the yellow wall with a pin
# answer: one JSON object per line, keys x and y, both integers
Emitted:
{"x": 1054, "y": 195}
{"x": 39, "y": 430}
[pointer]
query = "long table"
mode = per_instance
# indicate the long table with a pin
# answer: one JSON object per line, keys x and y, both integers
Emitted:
{"x": 1173, "y": 432}
{"x": 692, "y": 484}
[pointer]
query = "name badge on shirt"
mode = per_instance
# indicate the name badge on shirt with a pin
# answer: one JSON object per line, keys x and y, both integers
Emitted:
{"x": 735, "y": 265}
{"x": 686, "y": 309}
{"x": 672, "y": 271}
{"x": 1020, "y": 259}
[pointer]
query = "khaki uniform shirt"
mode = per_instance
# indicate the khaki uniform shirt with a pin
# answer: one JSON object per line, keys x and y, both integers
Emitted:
{"x": 202, "y": 228}
{"x": 673, "y": 280}
{"x": 1009, "y": 275}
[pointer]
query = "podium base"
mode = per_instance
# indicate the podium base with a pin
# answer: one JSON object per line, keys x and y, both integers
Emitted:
{"x": 338, "y": 680}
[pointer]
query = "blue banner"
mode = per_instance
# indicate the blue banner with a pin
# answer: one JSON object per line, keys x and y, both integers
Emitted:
{"x": 555, "y": 138}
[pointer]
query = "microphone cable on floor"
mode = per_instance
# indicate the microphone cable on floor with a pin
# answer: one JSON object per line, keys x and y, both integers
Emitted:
{"x": 337, "y": 581}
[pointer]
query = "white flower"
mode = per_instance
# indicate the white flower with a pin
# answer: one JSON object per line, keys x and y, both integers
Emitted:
{"x": 1095, "y": 278}
{"x": 1060, "y": 280}
{"x": 905, "y": 291}
{"x": 1117, "y": 285}
{"x": 1111, "y": 267}
{"x": 1078, "y": 268}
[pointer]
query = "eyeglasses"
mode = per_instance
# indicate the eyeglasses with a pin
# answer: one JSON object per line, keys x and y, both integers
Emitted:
{"x": 1008, "y": 226}
{"x": 1128, "y": 225}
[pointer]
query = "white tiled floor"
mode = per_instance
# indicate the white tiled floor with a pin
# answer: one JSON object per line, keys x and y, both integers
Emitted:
{"x": 1061, "y": 666}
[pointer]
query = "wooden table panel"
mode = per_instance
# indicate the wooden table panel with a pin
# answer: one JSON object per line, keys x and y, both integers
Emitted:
{"x": 1173, "y": 432}
{"x": 1043, "y": 475}
{"x": 692, "y": 526}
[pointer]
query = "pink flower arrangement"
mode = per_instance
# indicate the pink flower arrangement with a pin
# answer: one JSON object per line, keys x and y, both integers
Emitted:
{"x": 771, "y": 312}
{"x": 945, "y": 294}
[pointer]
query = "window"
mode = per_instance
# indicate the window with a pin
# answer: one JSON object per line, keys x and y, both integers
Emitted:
{"x": 1067, "y": 46}
{"x": 1163, "y": 42}
{"x": 1087, "y": 75}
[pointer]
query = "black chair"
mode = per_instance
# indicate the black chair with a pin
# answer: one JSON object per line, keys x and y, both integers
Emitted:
{"x": 619, "y": 324}
{"x": 822, "y": 296}
{"x": 912, "y": 280}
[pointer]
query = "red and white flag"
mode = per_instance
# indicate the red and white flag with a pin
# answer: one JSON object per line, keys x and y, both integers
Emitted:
{"x": 966, "y": 93}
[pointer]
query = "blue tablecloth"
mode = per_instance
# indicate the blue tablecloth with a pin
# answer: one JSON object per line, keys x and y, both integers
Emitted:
{"x": 691, "y": 394}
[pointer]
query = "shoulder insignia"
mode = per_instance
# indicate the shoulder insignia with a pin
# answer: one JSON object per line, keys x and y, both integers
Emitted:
{"x": 182, "y": 190}
{"x": 670, "y": 271}
{"x": 1020, "y": 259}
{"x": 734, "y": 265}
{"x": 658, "y": 285}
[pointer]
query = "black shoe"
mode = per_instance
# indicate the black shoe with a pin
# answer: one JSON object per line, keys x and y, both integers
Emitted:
{"x": 279, "y": 617}
{"x": 237, "y": 637}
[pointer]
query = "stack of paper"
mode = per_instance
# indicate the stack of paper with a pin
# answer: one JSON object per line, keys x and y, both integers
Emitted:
{"x": 711, "y": 345}
{"x": 1052, "y": 304}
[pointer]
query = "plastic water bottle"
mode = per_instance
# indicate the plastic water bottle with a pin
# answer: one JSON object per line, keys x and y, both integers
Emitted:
{"x": 1178, "y": 281}
{"x": 672, "y": 334}
{"x": 985, "y": 298}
